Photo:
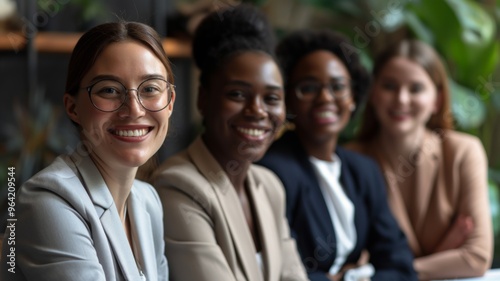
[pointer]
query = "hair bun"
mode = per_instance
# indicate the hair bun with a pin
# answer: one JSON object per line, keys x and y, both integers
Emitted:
{"x": 228, "y": 30}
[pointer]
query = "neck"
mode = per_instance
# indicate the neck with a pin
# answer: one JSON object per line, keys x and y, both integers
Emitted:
{"x": 322, "y": 150}
{"x": 236, "y": 167}
{"x": 119, "y": 181}
{"x": 237, "y": 173}
{"x": 395, "y": 147}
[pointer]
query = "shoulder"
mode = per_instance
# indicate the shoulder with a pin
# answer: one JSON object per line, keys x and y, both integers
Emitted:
{"x": 179, "y": 177}
{"x": 355, "y": 161}
{"x": 147, "y": 195}
{"x": 458, "y": 140}
{"x": 461, "y": 150}
{"x": 284, "y": 157}
{"x": 57, "y": 181}
{"x": 177, "y": 170}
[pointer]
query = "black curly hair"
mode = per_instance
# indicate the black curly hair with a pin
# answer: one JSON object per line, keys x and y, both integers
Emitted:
{"x": 229, "y": 31}
{"x": 300, "y": 43}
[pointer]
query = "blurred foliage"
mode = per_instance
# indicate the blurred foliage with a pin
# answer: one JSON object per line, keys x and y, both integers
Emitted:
{"x": 35, "y": 138}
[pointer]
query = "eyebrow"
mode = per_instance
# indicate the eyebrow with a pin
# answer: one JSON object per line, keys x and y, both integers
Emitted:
{"x": 113, "y": 77}
{"x": 249, "y": 85}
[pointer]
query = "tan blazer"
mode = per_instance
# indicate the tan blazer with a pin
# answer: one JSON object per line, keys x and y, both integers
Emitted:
{"x": 206, "y": 233}
{"x": 451, "y": 179}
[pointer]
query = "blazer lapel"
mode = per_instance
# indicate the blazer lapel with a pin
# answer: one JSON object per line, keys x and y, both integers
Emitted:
{"x": 426, "y": 169}
{"x": 396, "y": 203}
{"x": 314, "y": 201}
{"x": 230, "y": 205}
{"x": 142, "y": 240}
{"x": 264, "y": 218}
{"x": 110, "y": 220}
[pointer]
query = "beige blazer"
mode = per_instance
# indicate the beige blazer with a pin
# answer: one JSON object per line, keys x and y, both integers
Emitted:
{"x": 451, "y": 179}
{"x": 206, "y": 233}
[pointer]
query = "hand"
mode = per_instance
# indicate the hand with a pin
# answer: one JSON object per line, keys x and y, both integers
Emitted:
{"x": 458, "y": 233}
{"x": 340, "y": 274}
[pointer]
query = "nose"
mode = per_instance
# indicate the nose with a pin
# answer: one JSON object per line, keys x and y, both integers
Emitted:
{"x": 255, "y": 108}
{"x": 403, "y": 96}
{"x": 326, "y": 94}
{"x": 132, "y": 106}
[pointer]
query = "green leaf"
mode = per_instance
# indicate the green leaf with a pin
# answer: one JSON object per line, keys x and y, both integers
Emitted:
{"x": 462, "y": 31}
{"x": 468, "y": 109}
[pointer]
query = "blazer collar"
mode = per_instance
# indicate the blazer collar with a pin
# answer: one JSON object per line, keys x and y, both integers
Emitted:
{"x": 427, "y": 174}
{"x": 313, "y": 197}
{"x": 230, "y": 205}
{"x": 110, "y": 220}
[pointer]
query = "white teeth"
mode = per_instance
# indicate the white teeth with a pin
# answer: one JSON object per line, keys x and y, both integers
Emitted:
{"x": 131, "y": 133}
{"x": 325, "y": 114}
{"x": 251, "y": 132}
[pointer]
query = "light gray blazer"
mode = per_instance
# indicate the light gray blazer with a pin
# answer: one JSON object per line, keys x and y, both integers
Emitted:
{"x": 68, "y": 228}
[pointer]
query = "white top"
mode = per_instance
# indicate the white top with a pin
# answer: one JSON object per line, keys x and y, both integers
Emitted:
{"x": 340, "y": 207}
{"x": 260, "y": 262}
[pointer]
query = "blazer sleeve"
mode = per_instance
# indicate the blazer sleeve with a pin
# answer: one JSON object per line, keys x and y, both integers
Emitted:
{"x": 45, "y": 247}
{"x": 190, "y": 242}
{"x": 389, "y": 251}
{"x": 474, "y": 257}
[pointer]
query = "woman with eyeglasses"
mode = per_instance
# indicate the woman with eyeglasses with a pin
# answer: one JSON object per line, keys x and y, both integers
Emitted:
{"x": 336, "y": 204}
{"x": 85, "y": 217}
{"x": 224, "y": 216}
{"x": 436, "y": 177}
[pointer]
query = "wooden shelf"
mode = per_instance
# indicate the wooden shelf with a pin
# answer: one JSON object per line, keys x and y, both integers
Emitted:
{"x": 59, "y": 42}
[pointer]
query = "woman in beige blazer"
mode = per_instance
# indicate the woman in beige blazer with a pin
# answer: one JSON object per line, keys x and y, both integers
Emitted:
{"x": 436, "y": 177}
{"x": 225, "y": 217}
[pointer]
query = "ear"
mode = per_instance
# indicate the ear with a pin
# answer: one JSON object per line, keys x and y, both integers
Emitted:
{"x": 352, "y": 107}
{"x": 70, "y": 106}
{"x": 170, "y": 106}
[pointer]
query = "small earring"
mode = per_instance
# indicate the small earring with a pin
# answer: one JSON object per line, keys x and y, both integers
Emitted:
{"x": 353, "y": 107}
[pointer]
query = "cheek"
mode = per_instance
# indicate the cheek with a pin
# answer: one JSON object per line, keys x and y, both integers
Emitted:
{"x": 278, "y": 114}
{"x": 429, "y": 104}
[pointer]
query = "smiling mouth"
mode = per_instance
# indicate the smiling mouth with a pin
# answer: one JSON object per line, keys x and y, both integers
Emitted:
{"x": 251, "y": 132}
{"x": 131, "y": 133}
{"x": 325, "y": 114}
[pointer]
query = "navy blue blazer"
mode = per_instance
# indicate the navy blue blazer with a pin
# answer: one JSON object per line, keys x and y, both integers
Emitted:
{"x": 311, "y": 225}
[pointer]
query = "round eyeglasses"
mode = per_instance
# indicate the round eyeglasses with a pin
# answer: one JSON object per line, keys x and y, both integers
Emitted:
{"x": 309, "y": 90}
{"x": 109, "y": 95}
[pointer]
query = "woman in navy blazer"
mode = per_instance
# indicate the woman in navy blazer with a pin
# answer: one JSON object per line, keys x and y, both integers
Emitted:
{"x": 336, "y": 202}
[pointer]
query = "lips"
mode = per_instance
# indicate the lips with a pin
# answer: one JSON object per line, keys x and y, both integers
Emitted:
{"x": 325, "y": 116}
{"x": 399, "y": 115}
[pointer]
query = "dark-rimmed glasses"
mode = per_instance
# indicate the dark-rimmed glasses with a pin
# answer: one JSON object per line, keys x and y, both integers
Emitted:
{"x": 109, "y": 95}
{"x": 310, "y": 89}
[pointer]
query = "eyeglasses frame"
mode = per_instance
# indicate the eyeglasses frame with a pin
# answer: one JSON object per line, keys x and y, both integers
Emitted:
{"x": 170, "y": 90}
